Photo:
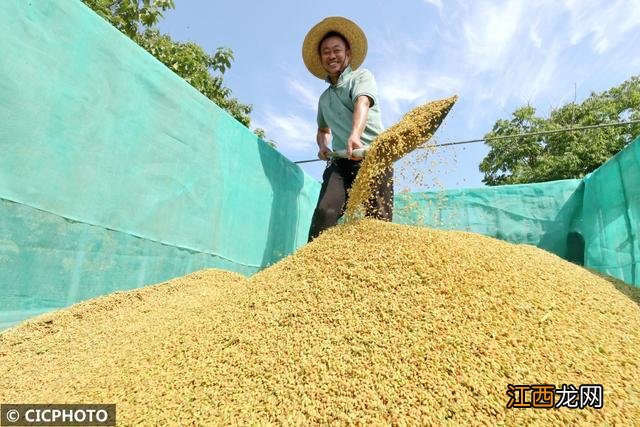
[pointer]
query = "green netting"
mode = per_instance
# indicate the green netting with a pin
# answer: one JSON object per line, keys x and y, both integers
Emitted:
{"x": 95, "y": 131}
{"x": 611, "y": 211}
{"x": 48, "y": 262}
{"x": 537, "y": 214}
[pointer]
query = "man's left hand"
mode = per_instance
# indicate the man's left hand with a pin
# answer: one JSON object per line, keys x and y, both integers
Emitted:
{"x": 353, "y": 143}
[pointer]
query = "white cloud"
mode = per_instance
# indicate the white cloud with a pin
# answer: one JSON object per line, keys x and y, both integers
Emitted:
{"x": 605, "y": 23}
{"x": 406, "y": 85}
{"x": 502, "y": 52}
{"x": 535, "y": 37}
{"x": 436, "y": 3}
{"x": 396, "y": 92}
{"x": 304, "y": 93}
{"x": 490, "y": 31}
{"x": 293, "y": 134}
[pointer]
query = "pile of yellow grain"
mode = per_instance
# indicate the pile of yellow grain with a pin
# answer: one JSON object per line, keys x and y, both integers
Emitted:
{"x": 413, "y": 130}
{"x": 371, "y": 323}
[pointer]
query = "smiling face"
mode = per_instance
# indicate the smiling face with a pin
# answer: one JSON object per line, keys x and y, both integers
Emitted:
{"x": 334, "y": 56}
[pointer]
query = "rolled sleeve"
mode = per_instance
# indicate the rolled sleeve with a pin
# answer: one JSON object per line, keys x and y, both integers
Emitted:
{"x": 364, "y": 84}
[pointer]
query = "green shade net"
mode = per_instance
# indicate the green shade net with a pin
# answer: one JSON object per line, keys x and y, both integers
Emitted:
{"x": 536, "y": 214}
{"x": 115, "y": 173}
{"x": 611, "y": 216}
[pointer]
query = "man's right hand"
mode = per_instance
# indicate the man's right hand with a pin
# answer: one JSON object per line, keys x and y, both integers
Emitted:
{"x": 323, "y": 154}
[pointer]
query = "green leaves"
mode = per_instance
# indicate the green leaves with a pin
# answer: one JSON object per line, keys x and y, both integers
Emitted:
{"x": 263, "y": 136}
{"x": 203, "y": 71}
{"x": 129, "y": 15}
{"x": 562, "y": 155}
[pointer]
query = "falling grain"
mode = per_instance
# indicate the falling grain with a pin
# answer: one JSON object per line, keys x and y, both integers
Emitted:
{"x": 415, "y": 128}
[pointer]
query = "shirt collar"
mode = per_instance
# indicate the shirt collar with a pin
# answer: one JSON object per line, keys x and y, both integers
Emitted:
{"x": 341, "y": 77}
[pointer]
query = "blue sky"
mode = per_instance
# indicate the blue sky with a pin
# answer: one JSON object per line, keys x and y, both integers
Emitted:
{"x": 496, "y": 55}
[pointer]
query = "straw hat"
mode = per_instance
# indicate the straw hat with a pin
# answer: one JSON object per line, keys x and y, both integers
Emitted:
{"x": 354, "y": 35}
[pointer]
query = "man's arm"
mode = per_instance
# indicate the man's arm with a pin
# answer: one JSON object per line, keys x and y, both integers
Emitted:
{"x": 323, "y": 137}
{"x": 360, "y": 111}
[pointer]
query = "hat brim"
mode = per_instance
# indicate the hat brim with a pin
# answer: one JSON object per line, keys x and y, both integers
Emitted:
{"x": 349, "y": 29}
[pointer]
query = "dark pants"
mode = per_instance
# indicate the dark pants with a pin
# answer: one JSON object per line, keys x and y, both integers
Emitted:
{"x": 337, "y": 179}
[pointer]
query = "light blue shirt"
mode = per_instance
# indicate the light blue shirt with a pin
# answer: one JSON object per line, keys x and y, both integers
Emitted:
{"x": 336, "y": 105}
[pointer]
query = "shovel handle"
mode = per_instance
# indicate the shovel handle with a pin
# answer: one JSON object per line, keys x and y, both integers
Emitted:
{"x": 358, "y": 152}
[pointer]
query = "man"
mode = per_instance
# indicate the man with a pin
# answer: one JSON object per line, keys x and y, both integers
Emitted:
{"x": 348, "y": 117}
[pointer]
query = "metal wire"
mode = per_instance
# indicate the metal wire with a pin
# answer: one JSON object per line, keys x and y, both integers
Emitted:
{"x": 546, "y": 132}
{"x": 519, "y": 135}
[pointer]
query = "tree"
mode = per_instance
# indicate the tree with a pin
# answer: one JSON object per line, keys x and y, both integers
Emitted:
{"x": 562, "y": 155}
{"x": 262, "y": 135}
{"x": 138, "y": 18}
